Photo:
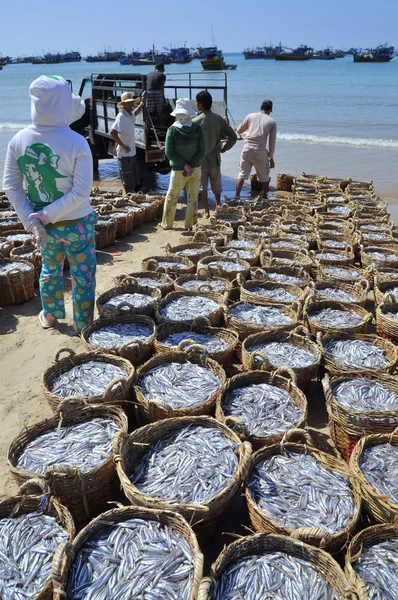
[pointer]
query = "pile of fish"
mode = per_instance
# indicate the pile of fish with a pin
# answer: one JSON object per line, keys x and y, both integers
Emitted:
{"x": 381, "y": 255}
{"x": 333, "y": 244}
{"x": 272, "y": 576}
{"x": 133, "y": 559}
{"x": 249, "y": 312}
{"x": 341, "y": 210}
{"x": 115, "y": 336}
{"x": 283, "y": 354}
{"x": 284, "y": 244}
{"x": 19, "y": 237}
{"x": 89, "y": 379}
{"x": 356, "y": 354}
{"x": 7, "y": 267}
{"x": 168, "y": 264}
{"x": 212, "y": 343}
{"x": 188, "y": 308}
{"x": 179, "y": 384}
{"x": 379, "y": 465}
{"x": 277, "y": 294}
{"x": 193, "y": 251}
{"x": 282, "y": 278}
{"x": 364, "y": 394}
{"x": 333, "y": 317}
{"x": 194, "y": 284}
{"x": 237, "y": 253}
{"x": 391, "y": 315}
{"x": 297, "y": 491}
{"x": 264, "y": 409}
{"x": 225, "y": 265}
{"x": 27, "y": 546}
{"x": 149, "y": 282}
{"x": 190, "y": 465}
{"x": 329, "y": 293}
{"x": 242, "y": 244}
{"x": 377, "y": 237}
{"x": 137, "y": 300}
{"x": 377, "y": 566}
{"x": 393, "y": 290}
{"x": 84, "y": 445}
{"x": 342, "y": 273}
{"x": 331, "y": 256}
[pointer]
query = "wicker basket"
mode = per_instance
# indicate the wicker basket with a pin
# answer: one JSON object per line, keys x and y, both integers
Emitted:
{"x": 105, "y": 232}
{"x": 29, "y": 252}
{"x": 124, "y": 219}
{"x": 214, "y": 318}
{"x": 297, "y": 272}
{"x": 285, "y": 242}
{"x": 284, "y": 182}
{"x": 152, "y": 264}
{"x": 315, "y": 327}
{"x": 132, "y": 207}
{"x": 358, "y": 290}
{"x": 130, "y": 286}
{"x": 278, "y": 258}
{"x": 347, "y": 426}
{"x": 387, "y": 326}
{"x": 137, "y": 352}
{"x": 85, "y": 494}
{"x": 205, "y": 287}
{"x": 342, "y": 258}
{"x": 383, "y": 285}
{"x": 200, "y": 250}
{"x": 283, "y": 379}
{"x": 213, "y": 266}
{"x": 262, "y": 544}
{"x": 235, "y": 216}
{"x": 378, "y": 263}
{"x": 155, "y": 409}
{"x": 246, "y": 328}
{"x": 248, "y": 295}
{"x": 166, "y": 284}
{"x": 352, "y": 276}
{"x": 367, "y": 238}
{"x": 11, "y": 224}
{"x": 199, "y": 326}
{"x": 129, "y": 450}
{"x": 230, "y": 252}
{"x": 17, "y": 285}
{"x": 204, "y": 233}
{"x": 264, "y": 523}
{"x": 63, "y": 560}
{"x": 117, "y": 391}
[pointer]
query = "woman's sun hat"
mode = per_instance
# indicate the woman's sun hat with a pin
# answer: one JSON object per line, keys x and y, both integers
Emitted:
{"x": 127, "y": 97}
{"x": 183, "y": 107}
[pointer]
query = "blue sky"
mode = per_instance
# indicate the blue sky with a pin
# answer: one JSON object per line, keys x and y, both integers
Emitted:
{"x": 31, "y": 27}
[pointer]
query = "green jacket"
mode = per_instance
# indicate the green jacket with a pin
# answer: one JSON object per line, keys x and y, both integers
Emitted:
{"x": 215, "y": 128}
{"x": 185, "y": 145}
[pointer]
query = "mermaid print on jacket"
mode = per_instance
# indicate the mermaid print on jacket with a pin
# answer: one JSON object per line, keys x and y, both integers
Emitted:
{"x": 39, "y": 167}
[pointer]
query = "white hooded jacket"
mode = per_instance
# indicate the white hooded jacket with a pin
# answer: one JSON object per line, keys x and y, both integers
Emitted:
{"x": 49, "y": 160}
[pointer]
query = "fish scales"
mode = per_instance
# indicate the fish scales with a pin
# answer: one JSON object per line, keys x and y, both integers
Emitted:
{"x": 283, "y": 354}
{"x": 333, "y": 317}
{"x": 364, "y": 394}
{"x": 212, "y": 343}
{"x": 297, "y": 491}
{"x": 261, "y": 315}
{"x": 356, "y": 354}
{"x": 114, "y": 336}
{"x": 378, "y": 568}
{"x": 88, "y": 379}
{"x": 137, "y": 300}
{"x": 187, "y": 308}
{"x": 194, "y": 284}
{"x": 190, "y": 465}
{"x": 379, "y": 465}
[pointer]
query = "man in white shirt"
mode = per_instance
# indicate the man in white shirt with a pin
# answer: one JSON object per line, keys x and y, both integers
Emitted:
{"x": 123, "y": 134}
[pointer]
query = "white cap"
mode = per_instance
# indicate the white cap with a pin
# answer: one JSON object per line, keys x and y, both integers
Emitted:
{"x": 183, "y": 107}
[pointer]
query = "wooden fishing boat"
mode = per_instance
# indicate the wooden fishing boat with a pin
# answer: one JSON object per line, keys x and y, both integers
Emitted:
{"x": 380, "y": 54}
{"x": 300, "y": 53}
{"x": 214, "y": 63}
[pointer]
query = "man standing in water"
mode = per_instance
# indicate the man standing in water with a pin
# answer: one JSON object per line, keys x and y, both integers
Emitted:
{"x": 260, "y": 127}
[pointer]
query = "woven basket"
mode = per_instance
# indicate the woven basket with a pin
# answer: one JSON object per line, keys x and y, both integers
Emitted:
{"x": 297, "y": 271}
{"x": 310, "y": 305}
{"x": 199, "y": 326}
{"x": 379, "y": 264}
{"x": 38, "y": 499}
{"x": 297, "y": 337}
{"x": 130, "y": 286}
{"x": 262, "y": 544}
{"x": 235, "y": 216}
{"x": 248, "y": 295}
{"x": 246, "y": 328}
{"x": 136, "y": 352}
{"x": 85, "y": 494}
{"x": 213, "y": 266}
{"x": 117, "y": 391}
{"x": 366, "y": 239}
{"x": 150, "y": 206}
{"x": 132, "y": 207}
{"x": 29, "y": 252}
{"x": 379, "y": 506}
{"x": 202, "y": 250}
{"x": 285, "y": 242}
{"x": 204, "y": 516}
{"x": 166, "y": 284}
{"x": 155, "y": 409}
{"x": 358, "y": 290}
{"x": 63, "y": 559}
{"x": 387, "y": 327}
{"x": 123, "y": 218}
{"x": 204, "y": 233}
{"x": 336, "y": 242}
{"x": 347, "y": 426}
{"x": 105, "y": 232}
{"x": 283, "y": 379}
{"x": 152, "y": 264}
{"x": 264, "y": 523}
{"x": 382, "y": 285}
{"x": 204, "y": 288}
{"x": 214, "y": 318}
{"x": 353, "y": 276}
{"x": 5, "y": 247}
{"x": 342, "y": 258}
{"x": 10, "y": 224}
{"x": 16, "y": 286}
{"x": 284, "y": 181}
{"x": 287, "y": 258}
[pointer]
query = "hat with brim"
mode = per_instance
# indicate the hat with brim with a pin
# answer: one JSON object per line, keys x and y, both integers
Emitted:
{"x": 127, "y": 98}
{"x": 183, "y": 107}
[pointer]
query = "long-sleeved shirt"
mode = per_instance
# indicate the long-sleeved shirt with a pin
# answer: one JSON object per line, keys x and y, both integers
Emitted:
{"x": 185, "y": 145}
{"x": 215, "y": 128}
{"x": 259, "y": 127}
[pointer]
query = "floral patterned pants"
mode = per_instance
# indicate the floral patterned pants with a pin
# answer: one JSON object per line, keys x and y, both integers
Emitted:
{"x": 76, "y": 241}
{"x": 177, "y": 183}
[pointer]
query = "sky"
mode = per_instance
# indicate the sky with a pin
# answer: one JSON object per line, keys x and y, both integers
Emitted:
{"x": 89, "y": 26}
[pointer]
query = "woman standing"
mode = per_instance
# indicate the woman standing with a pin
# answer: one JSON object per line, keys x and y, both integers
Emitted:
{"x": 55, "y": 164}
{"x": 185, "y": 149}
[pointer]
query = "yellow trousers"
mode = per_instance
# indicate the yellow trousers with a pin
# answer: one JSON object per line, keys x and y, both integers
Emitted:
{"x": 177, "y": 184}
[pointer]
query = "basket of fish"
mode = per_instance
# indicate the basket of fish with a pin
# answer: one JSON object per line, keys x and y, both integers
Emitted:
{"x": 32, "y": 527}
{"x": 105, "y": 232}
{"x": 344, "y": 211}
{"x": 387, "y": 318}
{"x": 374, "y": 463}
{"x": 17, "y": 281}
{"x": 247, "y": 318}
{"x": 187, "y": 306}
{"x": 326, "y": 256}
{"x": 194, "y": 250}
{"x": 28, "y": 251}
{"x": 339, "y": 291}
{"x": 272, "y": 293}
{"x": 95, "y": 377}
{"x": 192, "y": 465}
{"x": 249, "y": 255}
{"x": 296, "y": 490}
{"x": 348, "y": 353}
{"x": 371, "y": 563}
{"x": 260, "y": 407}
{"x": 178, "y": 384}
{"x": 294, "y": 350}
{"x": 327, "y": 316}
{"x": 349, "y": 275}
{"x": 334, "y": 242}
{"x": 150, "y": 206}
{"x": 376, "y": 238}
{"x": 360, "y": 405}
{"x": 234, "y": 215}
{"x": 285, "y": 242}
{"x": 293, "y": 275}
{"x": 288, "y": 258}
{"x": 224, "y": 267}
{"x": 273, "y": 567}
{"x": 138, "y": 211}
{"x": 219, "y": 343}
{"x": 254, "y": 231}
{"x": 129, "y": 336}
{"x": 124, "y": 219}
{"x": 151, "y": 279}
{"x": 72, "y": 453}
{"x": 379, "y": 257}
{"x": 173, "y": 265}
{"x": 130, "y": 297}
{"x": 202, "y": 283}
{"x": 18, "y": 238}
{"x": 130, "y": 552}
{"x": 385, "y": 285}
{"x": 215, "y": 234}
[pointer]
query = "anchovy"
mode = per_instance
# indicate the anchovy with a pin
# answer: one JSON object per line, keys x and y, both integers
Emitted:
{"x": 329, "y": 293}
{"x": 226, "y": 265}
{"x": 137, "y": 559}
{"x": 168, "y": 264}
{"x": 381, "y": 255}
{"x": 212, "y": 343}
{"x": 377, "y": 566}
{"x": 7, "y": 267}
{"x": 149, "y": 282}
{"x": 194, "y": 284}
{"x": 365, "y": 394}
{"x": 342, "y": 210}
{"x": 188, "y": 308}
{"x": 194, "y": 251}
{"x": 190, "y": 465}
{"x": 27, "y": 547}
{"x": 333, "y": 243}
{"x": 338, "y": 199}
{"x": 265, "y": 409}
{"x": 179, "y": 385}
{"x": 89, "y": 379}
{"x": 296, "y": 490}
{"x": 276, "y": 294}
{"x": 285, "y": 244}
{"x": 237, "y": 253}
{"x": 114, "y": 336}
{"x": 242, "y": 244}
{"x": 283, "y": 354}
{"x": 356, "y": 354}
{"x": 333, "y": 317}
{"x": 261, "y": 315}
{"x": 282, "y": 278}
{"x": 371, "y": 227}
{"x": 138, "y": 300}
{"x": 342, "y": 273}
{"x": 83, "y": 445}
{"x": 393, "y": 290}
{"x": 378, "y": 237}
{"x": 379, "y": 466}
{"x": 391, "y": 315}
{"x": 330, "y": 256}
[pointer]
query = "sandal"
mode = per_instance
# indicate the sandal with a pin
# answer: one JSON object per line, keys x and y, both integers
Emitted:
{"x": 46, "y": 323}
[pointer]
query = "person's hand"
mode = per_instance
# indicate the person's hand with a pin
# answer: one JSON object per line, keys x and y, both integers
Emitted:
{"x": 126, "y": 148}
{"x": 188, "y": 169}
{"x": 40, "y": 235}
{"x": 271, "y": 163}
{"x": 143, "y": 99}
{"x": 40, "y": 217}
{"x": 221, "y": 148}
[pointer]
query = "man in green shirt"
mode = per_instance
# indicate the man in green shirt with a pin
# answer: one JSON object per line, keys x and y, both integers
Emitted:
{"x": 215, "y": 129}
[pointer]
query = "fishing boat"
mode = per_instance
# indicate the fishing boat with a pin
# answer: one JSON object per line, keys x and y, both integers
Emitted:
{"x": 379, "y": 54}
{"x": 260, "y": 52}
{"x": 180, "y": 55}
{"x": 109, "y": 56}
{"x": 46, "y": 59}
{"x": 300, "y": 53}
{"x": 325, "y": 54}
{"x": 203, "y": 52}
{"x": 339, "y": 53}
{"x": 213, "y": 63}
{"x": 72, "y": 56}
